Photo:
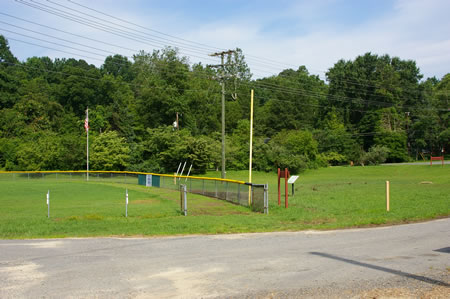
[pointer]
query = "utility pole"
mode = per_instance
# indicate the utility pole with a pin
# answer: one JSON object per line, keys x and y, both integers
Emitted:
{"x": 178, "y": 124}
{"x": 222, "y": 82}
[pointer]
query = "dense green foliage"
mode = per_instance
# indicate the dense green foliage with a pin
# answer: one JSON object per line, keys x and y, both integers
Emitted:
{"x": 300, "y": 121}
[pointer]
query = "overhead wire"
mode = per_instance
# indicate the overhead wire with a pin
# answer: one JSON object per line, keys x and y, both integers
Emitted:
{"x": 265, "y": 86}
{"x": 267, "y": 61}
{"x": 303, "y": 91}
{"x": 95, "y": 22}
{"x": 22, "y": 1}
{"x": 273, "y": 88}
{"x": 102, "y": 27}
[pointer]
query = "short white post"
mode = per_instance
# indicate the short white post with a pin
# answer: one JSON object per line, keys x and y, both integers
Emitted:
{"x": 387, "y": 196}
{"x": 48, "y": 204}
{"x": 126, "y": 203}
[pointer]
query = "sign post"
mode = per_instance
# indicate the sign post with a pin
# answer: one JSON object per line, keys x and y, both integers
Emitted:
{"x": 283, "y": 173}
{"x": 292, "y": 180}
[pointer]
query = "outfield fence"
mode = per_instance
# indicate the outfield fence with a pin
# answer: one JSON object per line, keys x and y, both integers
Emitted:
{"x": 233, "y": 191}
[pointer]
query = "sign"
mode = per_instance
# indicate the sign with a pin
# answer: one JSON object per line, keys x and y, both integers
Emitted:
{"x": 149, "y": 181}
{"x": 292, "y": 179}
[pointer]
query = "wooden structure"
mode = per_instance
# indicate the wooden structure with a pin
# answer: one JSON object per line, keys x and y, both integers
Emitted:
{"x": 441, "y": 158}
{"x": 283, "y": 174}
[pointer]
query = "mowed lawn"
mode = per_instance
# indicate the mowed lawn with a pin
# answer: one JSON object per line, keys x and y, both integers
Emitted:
{"x": 328, "y": 198}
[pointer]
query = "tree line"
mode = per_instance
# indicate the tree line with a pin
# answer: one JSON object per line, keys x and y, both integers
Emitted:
{"x": 369, "y": 110}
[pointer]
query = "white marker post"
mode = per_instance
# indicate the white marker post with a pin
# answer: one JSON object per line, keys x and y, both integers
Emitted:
{"x": 387, "y": 196}
{"x": 126, "y": 203}
{"x": 48, "y": 204}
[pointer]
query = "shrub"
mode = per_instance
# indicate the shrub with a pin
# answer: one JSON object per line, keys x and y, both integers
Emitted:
{"x": 377, "y": 154}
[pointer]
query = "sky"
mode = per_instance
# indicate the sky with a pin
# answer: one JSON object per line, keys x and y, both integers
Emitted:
{"x": 274, "y": 35}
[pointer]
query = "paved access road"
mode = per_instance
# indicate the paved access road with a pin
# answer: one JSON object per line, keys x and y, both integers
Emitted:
{"x": 399, "y": 260}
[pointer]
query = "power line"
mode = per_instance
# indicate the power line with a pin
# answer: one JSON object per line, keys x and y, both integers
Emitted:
{"x": 23, "y": 2}
{"x": 96, "y": 23}
{"x": 152, "y": 30}
{"x": 102, "y": 27}
{"x": 262, "y": 85}
{"x": 70, "y": 33}
{"x": 274, "y": 88}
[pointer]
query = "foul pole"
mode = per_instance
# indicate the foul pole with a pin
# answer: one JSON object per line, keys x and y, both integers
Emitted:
{"x": 251, "y": 152}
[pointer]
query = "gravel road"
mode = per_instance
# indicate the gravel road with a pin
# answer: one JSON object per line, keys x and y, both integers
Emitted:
{"x": 410, "y": 260}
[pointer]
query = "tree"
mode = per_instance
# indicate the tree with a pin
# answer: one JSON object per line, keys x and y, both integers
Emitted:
{"x": 160, "y": 80}
{"x": 336, "y": 144}
{"x": 372, "y": 82}
{"x": 290, "y": 101}
{"x": 116, "y": 66}
{"x": 109, "y": 152}
{"x": 9, "y": 80}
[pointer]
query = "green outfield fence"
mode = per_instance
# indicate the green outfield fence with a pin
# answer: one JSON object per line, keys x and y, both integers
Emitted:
{"x": 229, "y": 190}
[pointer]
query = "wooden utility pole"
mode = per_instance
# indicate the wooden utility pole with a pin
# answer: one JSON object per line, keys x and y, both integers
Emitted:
{"x": 222, "y": 82}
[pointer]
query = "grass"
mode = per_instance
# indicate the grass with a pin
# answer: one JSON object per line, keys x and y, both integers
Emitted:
{"x": 328, "y": 198}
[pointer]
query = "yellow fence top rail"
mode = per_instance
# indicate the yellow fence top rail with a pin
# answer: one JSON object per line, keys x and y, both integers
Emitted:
{"x": 126, "y": 172}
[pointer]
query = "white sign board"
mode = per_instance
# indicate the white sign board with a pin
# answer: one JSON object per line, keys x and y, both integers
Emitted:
{"x": 292, "y": 179}
{"x": 148, "y": 182}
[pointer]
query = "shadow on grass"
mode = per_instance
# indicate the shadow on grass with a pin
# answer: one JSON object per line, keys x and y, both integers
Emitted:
{"x": 384, "y": 269}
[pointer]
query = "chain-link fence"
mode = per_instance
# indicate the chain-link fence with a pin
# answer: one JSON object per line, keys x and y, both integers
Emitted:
{"x": 233, "y": 191}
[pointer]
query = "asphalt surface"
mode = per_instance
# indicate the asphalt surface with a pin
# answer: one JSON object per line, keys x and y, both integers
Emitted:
{"x": 347, "y": 263}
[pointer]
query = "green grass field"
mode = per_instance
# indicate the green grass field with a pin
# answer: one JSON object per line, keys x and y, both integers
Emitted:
{"x": 328, "y": 198}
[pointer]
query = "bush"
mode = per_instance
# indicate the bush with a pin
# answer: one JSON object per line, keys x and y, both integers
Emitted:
{"x": 377, "y": 154}
{"x": 331, "y": 158}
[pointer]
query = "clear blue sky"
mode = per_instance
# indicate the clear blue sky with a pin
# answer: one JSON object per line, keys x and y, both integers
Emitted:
{"x": 283, "y": 33}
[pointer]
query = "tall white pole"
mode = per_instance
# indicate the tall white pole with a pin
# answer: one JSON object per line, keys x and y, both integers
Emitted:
{"x": 251, "y": 151}
{"x": 86, "y": 126}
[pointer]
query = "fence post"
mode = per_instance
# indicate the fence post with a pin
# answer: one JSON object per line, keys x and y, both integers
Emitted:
{"x": 183, "y": 199}
{"x": 239, "y": 194}
{"x": 203, "y": 187}
{"x": 266, "y": 199}
{"x": 215, "y": 182}
{"x": 226, "y": 191}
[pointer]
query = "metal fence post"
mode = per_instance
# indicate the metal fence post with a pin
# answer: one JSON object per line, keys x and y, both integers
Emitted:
{"x": 203, "y": 187}
{"x": 226, "y": 191}
{"x": 215, "y": 184}
{"x": 266, "y": 199}
{"x": 183, "y": 199}
{"x": 239, "y": 194}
